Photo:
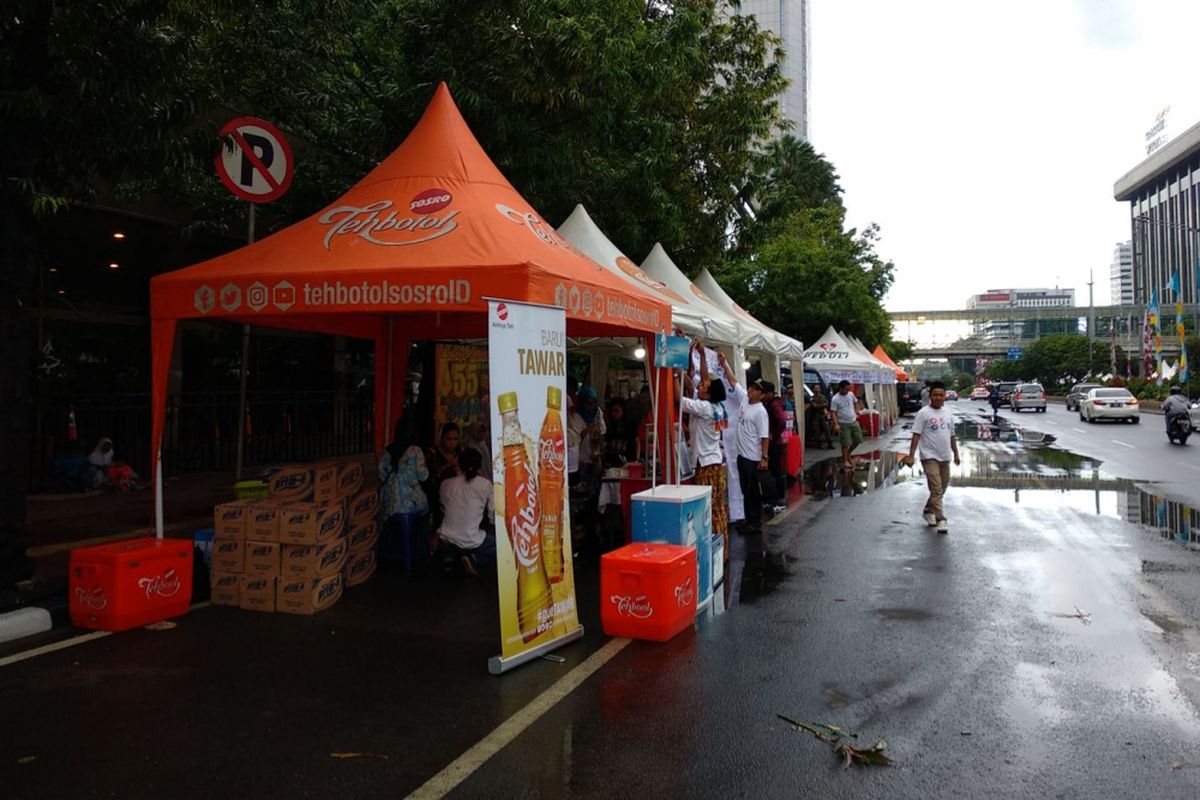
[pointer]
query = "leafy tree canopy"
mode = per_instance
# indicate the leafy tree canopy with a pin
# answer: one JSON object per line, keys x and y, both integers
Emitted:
{"x": 811, "y": 273}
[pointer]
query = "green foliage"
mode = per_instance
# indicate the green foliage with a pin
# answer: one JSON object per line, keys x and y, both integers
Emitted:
{"x": 647, "y": 113}
{"x": 1002, "y": 369}
{"x": 898, "y": 349}
{"x": 964, "y": 382}
{"x": 1060, "y": 359}
{"x": 810, "y": 273}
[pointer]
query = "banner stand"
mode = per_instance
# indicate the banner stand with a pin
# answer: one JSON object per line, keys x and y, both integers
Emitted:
{"x": 498, "y": 665}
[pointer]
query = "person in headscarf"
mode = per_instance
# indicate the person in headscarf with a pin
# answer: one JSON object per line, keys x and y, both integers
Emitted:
{"x": 403, "y": 504}
{"x": 120, "y": 476}
{"x": 585, "y": 435}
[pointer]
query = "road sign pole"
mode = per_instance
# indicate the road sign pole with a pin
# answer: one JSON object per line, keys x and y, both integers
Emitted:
{"x": 241, "y": 435}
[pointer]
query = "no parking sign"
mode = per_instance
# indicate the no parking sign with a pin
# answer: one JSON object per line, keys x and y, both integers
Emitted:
{"x": 255, "y": 162}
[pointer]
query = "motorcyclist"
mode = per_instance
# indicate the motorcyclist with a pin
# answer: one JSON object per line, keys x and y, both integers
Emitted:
{"x": 1175, "y": 405}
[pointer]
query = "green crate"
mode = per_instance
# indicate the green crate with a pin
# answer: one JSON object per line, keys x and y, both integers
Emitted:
{"x": 250, "y": 490}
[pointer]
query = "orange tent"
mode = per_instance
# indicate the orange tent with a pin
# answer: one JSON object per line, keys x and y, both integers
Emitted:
{"x": 882, "y": 355}
{"x": 410, "y": 251}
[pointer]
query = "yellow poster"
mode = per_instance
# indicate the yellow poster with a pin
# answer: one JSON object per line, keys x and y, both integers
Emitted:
{"x": 462, "y": 385}
{"x": 527, "y": 357}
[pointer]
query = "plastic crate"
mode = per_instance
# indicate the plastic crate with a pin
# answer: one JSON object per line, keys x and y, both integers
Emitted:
{"x": 250, "y": 490}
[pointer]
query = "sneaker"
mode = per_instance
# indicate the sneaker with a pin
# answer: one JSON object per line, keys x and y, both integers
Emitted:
{"x": 468, "y": 563}
{"x": 930, "y": 519}
{"x": 942, "y": 527}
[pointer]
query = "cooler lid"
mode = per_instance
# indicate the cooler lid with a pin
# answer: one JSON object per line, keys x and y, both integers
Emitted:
{"x": 145, "y": 547}
{"x": 647, "y": 556}
{"x": 673, "y": 494}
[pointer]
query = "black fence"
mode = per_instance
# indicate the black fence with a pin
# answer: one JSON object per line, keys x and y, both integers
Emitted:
{"x": 201, "y": 430}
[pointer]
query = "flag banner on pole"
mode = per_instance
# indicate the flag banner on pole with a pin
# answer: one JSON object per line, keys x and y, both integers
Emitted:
{"x": 527, "y": 377}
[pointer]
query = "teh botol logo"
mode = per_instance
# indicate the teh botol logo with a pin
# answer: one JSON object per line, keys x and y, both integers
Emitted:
{"x": 502, "y": 312}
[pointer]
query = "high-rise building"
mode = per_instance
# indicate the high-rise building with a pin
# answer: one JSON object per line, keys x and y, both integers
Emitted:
{"x": 997, "y": 330}
{"x": 789, "y": 20}
{"x": 1122, "y": 274}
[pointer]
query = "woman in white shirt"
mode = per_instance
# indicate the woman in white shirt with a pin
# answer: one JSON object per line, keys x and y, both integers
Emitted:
{"x": 707, "y": 422}
{"x": 467, "y": 503}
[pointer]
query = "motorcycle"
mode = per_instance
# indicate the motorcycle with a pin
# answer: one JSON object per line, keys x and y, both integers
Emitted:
{"x": 1179, "y": 428}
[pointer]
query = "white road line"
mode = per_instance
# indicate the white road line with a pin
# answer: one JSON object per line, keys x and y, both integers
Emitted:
{"x": 65, "y": 643}
{"x": 50, "y": 648}
{"x": 1123, "y": 444}
{"x": 1079, "y": 430}
{"x": 1191, "y": 466}
{"x": 461, "y": 768}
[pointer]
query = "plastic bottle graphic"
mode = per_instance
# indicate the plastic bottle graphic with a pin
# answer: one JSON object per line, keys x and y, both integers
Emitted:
{"x": 692, "y": 538}
{"x": 552, "y": 465}
{"x": 522, "y": 518}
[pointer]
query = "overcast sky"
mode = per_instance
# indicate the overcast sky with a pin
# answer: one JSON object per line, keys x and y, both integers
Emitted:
{"x": 985, "y": 138}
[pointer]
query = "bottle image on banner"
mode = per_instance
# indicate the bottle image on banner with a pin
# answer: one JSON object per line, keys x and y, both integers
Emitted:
{"x": 552, "y": 466}
{"x": 522, "y": 517}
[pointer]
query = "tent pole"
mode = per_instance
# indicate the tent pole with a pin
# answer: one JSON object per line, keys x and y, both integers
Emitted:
{"x": 241, "y": 423}
{"x": 391, "y": 357}
{"x": 158, "y": 494}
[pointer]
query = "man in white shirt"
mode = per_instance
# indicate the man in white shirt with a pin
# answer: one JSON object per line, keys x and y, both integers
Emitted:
{"x": 753, "y": 440}
{"x": 933, "y": 433}
{"x": 844, "y": 408}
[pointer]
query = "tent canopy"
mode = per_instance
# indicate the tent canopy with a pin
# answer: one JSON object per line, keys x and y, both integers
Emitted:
{"x": 410, "y": 251}
{"x": 882, "y": 355}
{"x": 771, "y": 340}
{"x": 837, "y": 359}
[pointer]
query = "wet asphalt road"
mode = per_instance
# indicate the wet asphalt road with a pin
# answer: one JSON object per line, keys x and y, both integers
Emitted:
{"x": 1047, "y": 647}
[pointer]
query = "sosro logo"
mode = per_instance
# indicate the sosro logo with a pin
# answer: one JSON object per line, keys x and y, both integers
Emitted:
{"x": 94, "y": 600}
{"x": 636, "y": 607}
{"x": 162, "y": 585}
{"x": 685, "y": 594}
{"x": 524, "y": 525}
{"x": 368, "y": 221}
{"x": 429, "y": 201}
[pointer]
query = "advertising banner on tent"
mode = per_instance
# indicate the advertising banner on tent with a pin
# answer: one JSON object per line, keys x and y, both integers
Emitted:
{"x": 671, "y": 351}
{"x": 527, "y": 349}
{"x": 462, "y": 385}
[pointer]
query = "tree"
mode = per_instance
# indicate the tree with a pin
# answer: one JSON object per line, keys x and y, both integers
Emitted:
{"x": 787, "y": 176}
{"x": 898, "y": 349}
{"x": 1063, "y": 358}
{"x": 810, "y": 274}
{"x": 1002, "y": 369}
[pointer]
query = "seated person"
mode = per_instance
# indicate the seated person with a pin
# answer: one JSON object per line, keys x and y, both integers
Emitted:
{"x": 118, "y": 475}
{"x": 466, "y": 504}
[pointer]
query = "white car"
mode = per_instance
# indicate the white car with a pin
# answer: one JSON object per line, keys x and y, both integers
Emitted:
{"x": 1109, "y": 403}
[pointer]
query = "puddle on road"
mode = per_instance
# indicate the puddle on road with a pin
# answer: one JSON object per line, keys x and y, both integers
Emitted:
{"x": 1004, "y": 456}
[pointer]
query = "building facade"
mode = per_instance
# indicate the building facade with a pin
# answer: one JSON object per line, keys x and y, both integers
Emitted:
{"x": 1163, "y": 193}
{"x": 1121, "y": 275}
{"x": 998, "y": 330}
{"x": 789, "y": 20}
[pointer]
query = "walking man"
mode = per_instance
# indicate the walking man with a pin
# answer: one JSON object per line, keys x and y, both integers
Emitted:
{"x": 933, "y": 433}
{"x": 818, "y": 418}
{"x": 845, "y": 407}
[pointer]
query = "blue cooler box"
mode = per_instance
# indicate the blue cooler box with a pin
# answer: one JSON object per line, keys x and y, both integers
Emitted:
{"x": 678, "y": 515}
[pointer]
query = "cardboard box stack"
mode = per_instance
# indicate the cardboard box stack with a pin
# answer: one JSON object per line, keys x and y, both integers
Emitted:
{"x": 293, "y": 551}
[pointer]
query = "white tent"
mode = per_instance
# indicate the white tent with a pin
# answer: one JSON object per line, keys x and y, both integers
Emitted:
{"x": 837, "y": 359}
{"x": 885, "y": 397}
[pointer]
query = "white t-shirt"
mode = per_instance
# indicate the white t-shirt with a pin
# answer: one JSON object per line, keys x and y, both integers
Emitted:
{"x": 753, "y": 426}
{"x": 843, "y": 405}
{"x": 705, "y": 432}
{"x": 936, "y": 427}
{"x": 464, "y": 505}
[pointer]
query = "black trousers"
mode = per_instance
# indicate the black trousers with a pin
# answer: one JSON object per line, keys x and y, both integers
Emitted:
{"x": 775, "y": 466}
{"x": 751, "y": 492}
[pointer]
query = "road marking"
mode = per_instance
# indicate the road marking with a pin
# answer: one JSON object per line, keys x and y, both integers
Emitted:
{"x": 1191, "y": 466}
{"x": 1123, "y": 444}
{"x": 1079, "y": 430}
{"x": 50, "y": 648}
{"x": 65, "y": 643}
{"x": 462, "y": 767}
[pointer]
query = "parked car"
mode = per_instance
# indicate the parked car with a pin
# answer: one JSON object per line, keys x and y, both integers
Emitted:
{"x": 1195, "y": 415}
{"x": 951, "y": 394}
{"x": 1109, "y": 403}
{"x": 908, "y": 396}
{"x": 1077, "y": 393}
{"x": 1006, "y": 389}
{"x": 1029, "y": 395}
{"x": 980, "y": 393}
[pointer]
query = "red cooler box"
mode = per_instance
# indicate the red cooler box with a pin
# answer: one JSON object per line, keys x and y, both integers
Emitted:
{"x": 648, "y": 591}
{"x": 869, "y": 422}
{"x": 114, "y": 587}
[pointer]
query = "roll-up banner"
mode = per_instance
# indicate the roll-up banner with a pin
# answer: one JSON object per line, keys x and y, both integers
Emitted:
{"x": 527, "y": 365}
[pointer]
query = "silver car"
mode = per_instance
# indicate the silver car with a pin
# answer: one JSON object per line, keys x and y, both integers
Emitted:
{"x": 1029, "y": 395}
{"x": 1110, "y": 403}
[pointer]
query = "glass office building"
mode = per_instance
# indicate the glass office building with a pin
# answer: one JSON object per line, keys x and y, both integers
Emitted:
{"x": 1163, "y": 193}
{"x": 789, "y": 20}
